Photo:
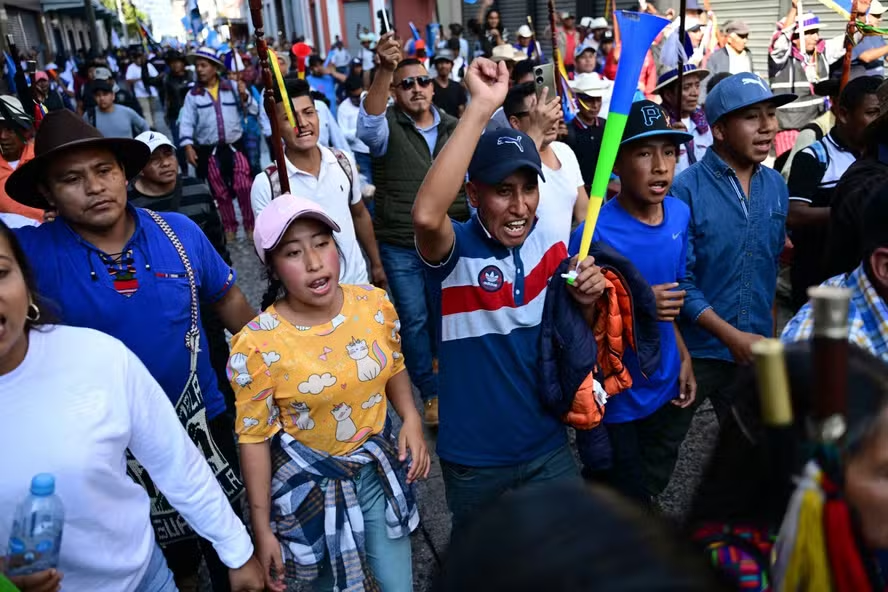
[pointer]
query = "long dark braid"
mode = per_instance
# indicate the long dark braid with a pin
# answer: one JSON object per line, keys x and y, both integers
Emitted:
{"x": 275, "y": 289}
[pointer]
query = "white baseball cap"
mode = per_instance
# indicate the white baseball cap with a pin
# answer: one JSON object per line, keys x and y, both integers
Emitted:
{"x": 154, "y": 140}
{"x": 877, "y": 8}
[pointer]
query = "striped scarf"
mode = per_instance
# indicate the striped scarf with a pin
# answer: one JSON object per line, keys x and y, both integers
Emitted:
{"x": 315, "y": 509}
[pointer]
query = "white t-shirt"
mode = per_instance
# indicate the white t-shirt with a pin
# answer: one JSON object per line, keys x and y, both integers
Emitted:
{"x": 558, "y": 193}
{"x": 330, "y": 190}
{"x": 134, "y": 75}
{"x": 347, "y": 117}
{"x": 340, "y": 58}
{"x": 75, "y": 404}
{"x": 366, "y": 56}
{"x": 701, "y": 143}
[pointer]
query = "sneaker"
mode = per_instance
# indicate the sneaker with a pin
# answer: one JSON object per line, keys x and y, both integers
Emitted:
{"x": 431, "y": 412}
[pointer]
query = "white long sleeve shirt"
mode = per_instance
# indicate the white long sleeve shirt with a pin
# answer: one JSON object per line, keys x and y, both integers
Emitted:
{"x": 347, "y": 116}
{"x": 72, "y": 408}
{"x": 329, "y": 132}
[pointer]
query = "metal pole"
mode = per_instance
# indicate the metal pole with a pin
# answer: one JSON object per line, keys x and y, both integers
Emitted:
{"x": 92, "y": 28}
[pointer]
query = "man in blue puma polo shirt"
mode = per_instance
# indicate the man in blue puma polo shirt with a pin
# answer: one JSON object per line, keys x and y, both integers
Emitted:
{"x": 494, "y": 270}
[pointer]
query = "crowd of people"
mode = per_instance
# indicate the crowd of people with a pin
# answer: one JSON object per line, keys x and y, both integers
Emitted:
{"x": 437, "y": 198}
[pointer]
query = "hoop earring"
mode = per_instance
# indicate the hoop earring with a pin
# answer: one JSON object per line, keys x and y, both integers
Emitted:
{"x": 33, "y": 313}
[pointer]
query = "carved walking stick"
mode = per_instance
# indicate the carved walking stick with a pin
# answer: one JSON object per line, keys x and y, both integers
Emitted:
{"x": 268, "y": 102}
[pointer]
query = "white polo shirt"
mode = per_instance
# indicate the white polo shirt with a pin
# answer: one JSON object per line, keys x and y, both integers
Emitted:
{"x": 329, "y": 190}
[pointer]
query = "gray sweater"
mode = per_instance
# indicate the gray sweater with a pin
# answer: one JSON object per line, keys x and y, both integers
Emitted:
{"x": 120, "y": 122}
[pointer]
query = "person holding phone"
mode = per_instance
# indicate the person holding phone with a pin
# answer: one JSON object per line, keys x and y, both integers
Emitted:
{"x": 404, "y": 139}
{"x": 563, "y": 197}
{"x": 488, "y": 28}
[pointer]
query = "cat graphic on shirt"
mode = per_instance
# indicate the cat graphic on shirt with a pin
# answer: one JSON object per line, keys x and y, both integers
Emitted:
{"x": 303, "y": 420}
{"x": 346, "y": 430}
{"x": 368, "y": 367}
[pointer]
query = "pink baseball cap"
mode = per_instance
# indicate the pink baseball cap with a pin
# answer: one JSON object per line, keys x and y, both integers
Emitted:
{"x": 40, "y": 75}
{"x": 273, "y": 221}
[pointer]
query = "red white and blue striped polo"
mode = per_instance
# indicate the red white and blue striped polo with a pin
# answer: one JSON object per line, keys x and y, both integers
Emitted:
{"x": 492, "y": 305}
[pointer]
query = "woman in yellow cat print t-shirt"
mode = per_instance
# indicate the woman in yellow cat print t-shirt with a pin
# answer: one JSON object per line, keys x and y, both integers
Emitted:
{"x": 313, "y": 375}
{"x": 323, "y": 384}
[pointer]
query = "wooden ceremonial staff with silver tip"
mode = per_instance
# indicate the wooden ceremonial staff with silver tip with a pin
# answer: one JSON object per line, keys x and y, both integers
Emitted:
{"x": 775, "y": 401}
{"x": 830, "y": 356}
{"x": 268, "y": 102}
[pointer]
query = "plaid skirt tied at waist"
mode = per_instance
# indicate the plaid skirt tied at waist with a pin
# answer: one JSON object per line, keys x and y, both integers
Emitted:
{"x": 315, "y": 511}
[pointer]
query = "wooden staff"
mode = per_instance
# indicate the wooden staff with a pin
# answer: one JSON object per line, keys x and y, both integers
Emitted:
{"x": 616, "y": 24}
{"x": 533, "y": 37}
{"x": 776, "y": 413}
{"x": 800, "y": 18}
{"x": 682, "y": 7}
{"x": 830, "y": 353}
{"x": 268, "y": 103}
{"x": 850, "y": 30}
{"x": 556, "y": 59}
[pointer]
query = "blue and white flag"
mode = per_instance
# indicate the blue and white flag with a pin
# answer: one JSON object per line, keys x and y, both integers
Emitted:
{"x": 193, "y": 12}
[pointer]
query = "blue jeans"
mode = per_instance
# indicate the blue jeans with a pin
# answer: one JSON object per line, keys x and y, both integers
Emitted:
{"x": 365, "y": 169}
{"x": 390, "y": 559}
{"x": 471, "y": 489}
{"x": 418, "y": 302}
{"x": 362, "y": 159}
{"x": 158, "y": 577}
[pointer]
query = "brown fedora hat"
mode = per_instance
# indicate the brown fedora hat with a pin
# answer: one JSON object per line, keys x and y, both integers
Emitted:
{"x": 61, "y": 131}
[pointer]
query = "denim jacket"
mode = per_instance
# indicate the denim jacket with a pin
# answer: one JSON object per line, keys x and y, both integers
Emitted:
{"x": 733, "y": 247}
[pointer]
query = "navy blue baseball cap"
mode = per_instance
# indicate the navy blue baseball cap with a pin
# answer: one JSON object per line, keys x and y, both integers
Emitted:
{"x": 502, "y": 152}
{"x": 738, "y": 92}
{"x": 647, "y": 119}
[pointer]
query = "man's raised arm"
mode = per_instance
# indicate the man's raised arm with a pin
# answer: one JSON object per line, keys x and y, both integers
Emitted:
{"x": 488, "y": 83}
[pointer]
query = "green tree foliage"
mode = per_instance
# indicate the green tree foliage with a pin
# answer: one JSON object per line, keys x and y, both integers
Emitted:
{"x": 131, "y": 16}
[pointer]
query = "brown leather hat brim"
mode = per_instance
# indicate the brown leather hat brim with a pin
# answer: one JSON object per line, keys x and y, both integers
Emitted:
{"x": 22, "y": 183}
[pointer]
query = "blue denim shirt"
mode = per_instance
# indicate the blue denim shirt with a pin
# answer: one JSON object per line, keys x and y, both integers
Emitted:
{"x": 733, "y": 246}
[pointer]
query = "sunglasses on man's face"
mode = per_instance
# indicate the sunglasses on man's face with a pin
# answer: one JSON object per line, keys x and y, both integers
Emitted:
{"x": 742, "y": 36}
{"x": 410, "y": 81}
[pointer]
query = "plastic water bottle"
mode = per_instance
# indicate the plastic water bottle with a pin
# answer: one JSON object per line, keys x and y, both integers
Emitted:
{"x": 37, "y": 529}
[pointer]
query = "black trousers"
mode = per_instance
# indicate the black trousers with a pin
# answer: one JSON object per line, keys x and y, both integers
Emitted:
{"x": 716, "y": 380}
{"x": 639, "y": 448}
{"x": 183, "y": 558}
